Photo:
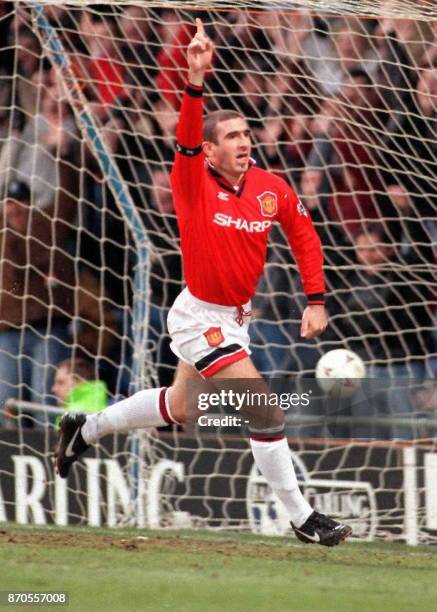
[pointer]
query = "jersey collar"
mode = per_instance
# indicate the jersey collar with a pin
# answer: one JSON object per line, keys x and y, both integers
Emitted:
{"x": 224, "y": 183}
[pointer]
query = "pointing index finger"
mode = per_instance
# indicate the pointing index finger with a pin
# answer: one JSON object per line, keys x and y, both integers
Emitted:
{"x": 199, "y": 26}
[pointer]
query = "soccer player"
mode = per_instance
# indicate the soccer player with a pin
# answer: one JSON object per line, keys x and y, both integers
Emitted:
{"x": 225, "y": 208}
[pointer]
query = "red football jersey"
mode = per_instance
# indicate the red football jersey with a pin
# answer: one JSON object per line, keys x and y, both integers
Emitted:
{"x": 224, "y": 230}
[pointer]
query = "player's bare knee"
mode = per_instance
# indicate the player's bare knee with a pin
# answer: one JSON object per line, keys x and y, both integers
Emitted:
{"x": 177, "y": 404}
{"x": 178, "y": 391}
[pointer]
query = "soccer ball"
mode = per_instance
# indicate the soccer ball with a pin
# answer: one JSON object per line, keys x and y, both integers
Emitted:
{"x": 340, "y": 373}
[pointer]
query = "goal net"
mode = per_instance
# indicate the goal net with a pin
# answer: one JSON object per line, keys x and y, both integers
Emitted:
{"x": 340, "y": 97}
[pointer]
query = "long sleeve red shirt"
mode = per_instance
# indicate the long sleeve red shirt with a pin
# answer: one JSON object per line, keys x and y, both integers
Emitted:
{"x": 224, "y": 231}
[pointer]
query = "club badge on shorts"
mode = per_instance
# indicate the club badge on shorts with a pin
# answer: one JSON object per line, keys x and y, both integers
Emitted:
{"x": 214, "y": 336}
{"x": 269, "y": 203}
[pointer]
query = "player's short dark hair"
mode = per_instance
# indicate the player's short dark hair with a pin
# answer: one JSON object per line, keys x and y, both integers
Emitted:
{"x": 79, "y": 367}
{"x": 212, "y": 119}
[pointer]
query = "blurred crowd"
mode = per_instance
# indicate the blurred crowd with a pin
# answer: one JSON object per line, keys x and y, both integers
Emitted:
{"x": 343, "y": 108}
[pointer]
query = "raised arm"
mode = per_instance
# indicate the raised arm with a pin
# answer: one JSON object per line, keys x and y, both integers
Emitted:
{"x": 188, "y": 166}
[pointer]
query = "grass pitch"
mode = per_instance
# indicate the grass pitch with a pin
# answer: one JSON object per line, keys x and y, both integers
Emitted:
{"x": 202, "y": 571}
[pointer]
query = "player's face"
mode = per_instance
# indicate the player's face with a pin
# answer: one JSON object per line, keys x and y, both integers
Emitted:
{"x": 231, "y": 153}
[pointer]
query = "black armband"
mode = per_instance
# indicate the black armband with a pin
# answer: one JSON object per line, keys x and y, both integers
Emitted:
{"x": 194, "y": 91}
{"x": 316, "y": 298}
{"x": 188, "y": 152}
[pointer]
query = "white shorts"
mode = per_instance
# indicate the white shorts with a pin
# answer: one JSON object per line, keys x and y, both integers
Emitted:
{"x": 207, "y": 336}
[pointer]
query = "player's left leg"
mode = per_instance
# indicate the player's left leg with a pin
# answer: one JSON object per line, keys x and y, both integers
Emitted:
{"x": 272, "y": 457}
{"x": 148, "y": 408}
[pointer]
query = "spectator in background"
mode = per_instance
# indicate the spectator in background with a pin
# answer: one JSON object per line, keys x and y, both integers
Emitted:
{"x": 31, "y": 155}
{"x": 341, "y": 185}
{"x": 384, "y": 315}
{"x": 252, "y": 101}
{"x": 279, "y": 105}
{"x": 409, "y": 160}
{"x": 76, "y": 387}
{"x": 28, "y": 60}
{"x": 269, "y": 144}
{"x": 293, "y": 97}
{"x": 343, "y": 130}
{"x": 93, "y": 329}
{"x": 174, "y": 37}
{"x": 6, "y": 68}
{"x": 290, "y": 36}
{"x": 283, "y": 145}
{"x": 296, "y": 44}
{"x": 401, "y": 43}
{"x": 166, "y": 270}
{"x": 347, "y": 144}
{"x": 382, "y": 312}
{"x": 328, "y": 53}
{"x": 298, "y": 146}
{"x": 337, "y": 248}
{"x": 105, "y": 64}
{"x": 107, "y": 244}
{"x": 139, "y": 51}
{"x": 37, "y": 291}
{"x": 244, "y": 45}
{"x": 353, "y": 202}
{"x": 275, "y": 310}
{"x": 157, "y": 131}
{"x": 105, "y": 241}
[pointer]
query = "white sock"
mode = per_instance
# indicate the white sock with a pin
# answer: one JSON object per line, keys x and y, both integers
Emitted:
{"x": 148, "y": 408}
{"x": 273, "y": 460}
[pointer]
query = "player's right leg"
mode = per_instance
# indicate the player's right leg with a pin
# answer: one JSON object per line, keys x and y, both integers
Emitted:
{"x": 145, "y": 409}
{"x": 272, "y": 456}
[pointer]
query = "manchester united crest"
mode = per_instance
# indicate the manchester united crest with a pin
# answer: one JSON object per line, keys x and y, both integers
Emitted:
{"x": 269, "y": 203}
{"x": 214, "y": 336}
